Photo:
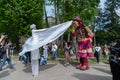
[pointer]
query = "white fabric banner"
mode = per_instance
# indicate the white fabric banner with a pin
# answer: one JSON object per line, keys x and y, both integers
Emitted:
{"x": 44, "y": 36}
{"x": 117, "y": 12}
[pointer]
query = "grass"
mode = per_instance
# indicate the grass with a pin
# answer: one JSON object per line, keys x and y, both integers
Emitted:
{"x": 15, "y": 57}
{"x": 72, "y": 60}
{"x": 92, "y": 61}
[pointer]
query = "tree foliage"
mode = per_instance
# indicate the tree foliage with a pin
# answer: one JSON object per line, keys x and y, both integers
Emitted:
{"x": 17, "y": 15}
{"x": 110, "y": 22}
{"x": 86, "y": 9}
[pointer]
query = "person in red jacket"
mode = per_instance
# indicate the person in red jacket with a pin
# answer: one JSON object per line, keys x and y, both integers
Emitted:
{"x": 84, "y": 36}
{"x": 105, "y": 52}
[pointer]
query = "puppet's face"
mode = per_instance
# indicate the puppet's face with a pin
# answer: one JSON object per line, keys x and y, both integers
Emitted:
{"x": 75, "y": 23}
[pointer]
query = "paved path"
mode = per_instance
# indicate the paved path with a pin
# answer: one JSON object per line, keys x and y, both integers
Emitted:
{"x": 55, "y": 70}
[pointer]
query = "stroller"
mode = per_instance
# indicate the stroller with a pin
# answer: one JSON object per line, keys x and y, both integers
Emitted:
{"x": 43, "y": 61}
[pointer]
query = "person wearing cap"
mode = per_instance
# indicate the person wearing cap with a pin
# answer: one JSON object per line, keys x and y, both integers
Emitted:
{"x": 83, "y": 35}
{"x": 35, "y": 56}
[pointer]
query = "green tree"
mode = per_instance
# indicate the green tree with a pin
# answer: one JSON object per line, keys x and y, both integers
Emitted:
{"x": 110, "y": 22}
{"x": 114, "y": 21}
{"x": 17, "y": 15}
{"x": 67, "y": 9}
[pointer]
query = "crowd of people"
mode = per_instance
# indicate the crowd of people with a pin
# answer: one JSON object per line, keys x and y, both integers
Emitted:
{"x": 83, "y": 36}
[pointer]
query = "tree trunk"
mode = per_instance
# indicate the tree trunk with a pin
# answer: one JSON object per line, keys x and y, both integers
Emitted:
{"x": 17, "y": 43}
{"x": 46, "y": 18}
{"x": 68, "y": 37}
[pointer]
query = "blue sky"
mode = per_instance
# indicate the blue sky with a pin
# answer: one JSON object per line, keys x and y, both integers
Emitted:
{"x": 50, "y": 9}
{"x": 102, "y": 3}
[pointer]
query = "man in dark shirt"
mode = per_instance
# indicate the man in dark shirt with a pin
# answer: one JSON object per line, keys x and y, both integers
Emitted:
{"x": 6, "y": 56}
{"x": 115, "y": 61}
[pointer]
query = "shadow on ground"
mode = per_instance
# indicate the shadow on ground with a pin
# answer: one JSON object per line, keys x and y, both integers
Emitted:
{"x": 91, "y": 77}
{"x": 47, "y": 66}
{"x": 4, "y": 73}
{"x": 41, "y": 68}
{"x": 72, "y": 62}
{"x": 103, "y": 70}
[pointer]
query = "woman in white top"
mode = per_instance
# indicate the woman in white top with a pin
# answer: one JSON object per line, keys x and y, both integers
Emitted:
{"x": 97, "y": 52}
{"x": 45, "y": 51}
{"x": 54, "y": 51}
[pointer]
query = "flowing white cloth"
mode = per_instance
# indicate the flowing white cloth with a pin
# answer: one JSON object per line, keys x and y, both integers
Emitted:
{"x": 117, "y": 12}
{"x": 35, "y": 55}
{"x": 44, "y": 36}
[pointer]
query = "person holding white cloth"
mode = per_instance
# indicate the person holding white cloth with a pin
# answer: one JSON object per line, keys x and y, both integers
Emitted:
{"x": 35, "y": 56}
